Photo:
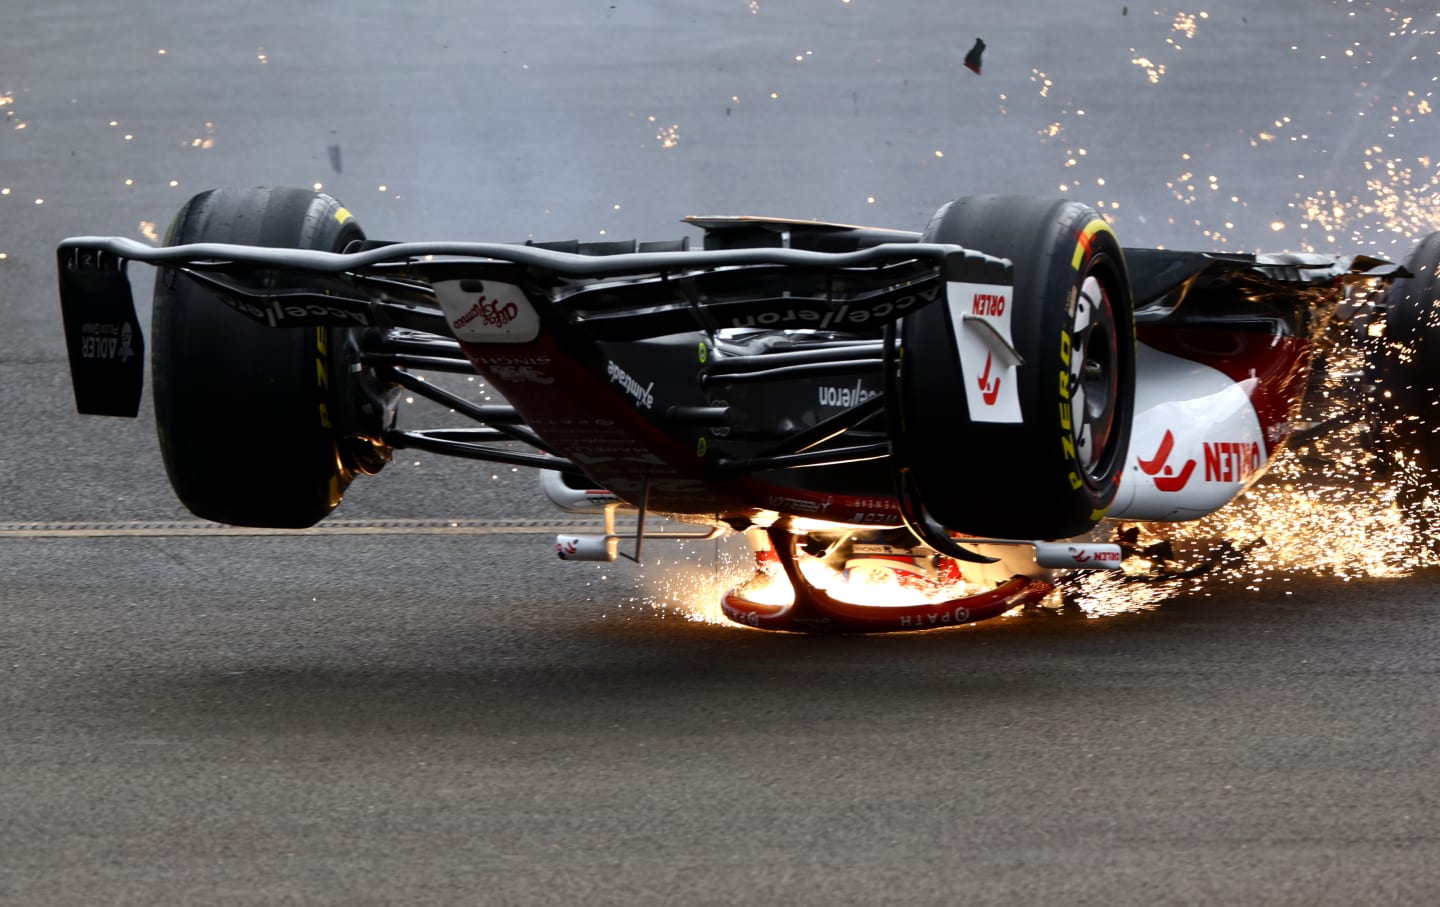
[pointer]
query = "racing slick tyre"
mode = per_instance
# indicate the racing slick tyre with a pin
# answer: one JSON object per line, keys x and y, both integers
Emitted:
{"x": 1025, "y": 435}
{"x": 243, "y": 410}
{"x": 1404, "y": 373}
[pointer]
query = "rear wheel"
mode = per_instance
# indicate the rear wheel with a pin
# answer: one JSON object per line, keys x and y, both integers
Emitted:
{"x": 1041, "y": 458}
{"x": 247, "y": 413}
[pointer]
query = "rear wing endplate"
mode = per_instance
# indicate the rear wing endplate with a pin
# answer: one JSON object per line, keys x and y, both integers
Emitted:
{"x": 392, "y": 285}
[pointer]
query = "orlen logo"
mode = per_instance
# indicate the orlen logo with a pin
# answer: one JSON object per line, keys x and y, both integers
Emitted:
{"x": 1158, "y": 467}
{"x": 992, "y": 304}
{"x": 1086, "y": 556}
{"x": 1232, "y": 461}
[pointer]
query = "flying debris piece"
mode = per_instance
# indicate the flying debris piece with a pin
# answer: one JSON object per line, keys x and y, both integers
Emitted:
{"x": 334, "y": 152}
{"x": 972, "y": 59}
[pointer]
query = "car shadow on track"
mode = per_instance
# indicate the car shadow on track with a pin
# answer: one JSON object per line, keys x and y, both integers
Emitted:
{"x": 592, "y": 677}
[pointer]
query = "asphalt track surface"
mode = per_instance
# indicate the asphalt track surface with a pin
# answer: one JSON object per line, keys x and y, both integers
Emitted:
{"x": 406, "y": 708}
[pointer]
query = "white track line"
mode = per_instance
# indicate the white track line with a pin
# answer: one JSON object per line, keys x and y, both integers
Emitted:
{"x": 154, "y": 528}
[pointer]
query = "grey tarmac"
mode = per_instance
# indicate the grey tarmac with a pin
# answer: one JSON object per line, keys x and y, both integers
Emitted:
{"x": 393, "y": 712}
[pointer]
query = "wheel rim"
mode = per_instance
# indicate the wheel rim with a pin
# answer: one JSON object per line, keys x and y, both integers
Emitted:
{"x": 1095, "y": 377}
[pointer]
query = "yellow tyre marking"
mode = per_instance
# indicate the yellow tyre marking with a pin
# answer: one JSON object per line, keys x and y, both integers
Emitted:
{"x": 1086, "y": 236}
{"x": 343, "y": 214}
{"x": 1067, "y": 440}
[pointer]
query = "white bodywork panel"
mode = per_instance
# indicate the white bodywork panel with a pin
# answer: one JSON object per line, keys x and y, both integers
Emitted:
{"x": 1196, "y": 443}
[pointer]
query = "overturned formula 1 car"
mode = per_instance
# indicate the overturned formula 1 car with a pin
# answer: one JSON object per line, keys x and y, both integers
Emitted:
{"x": 912, "y": 429}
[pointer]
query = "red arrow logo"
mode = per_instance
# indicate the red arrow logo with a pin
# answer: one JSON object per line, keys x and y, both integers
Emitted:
{"x": 989, "y": 391}
{"x": 1164, "y": 475}
{"x": 1152, "y": 465}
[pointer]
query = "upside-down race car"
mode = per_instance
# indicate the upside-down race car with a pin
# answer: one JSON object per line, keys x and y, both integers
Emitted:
{"x": 912, "y": 429}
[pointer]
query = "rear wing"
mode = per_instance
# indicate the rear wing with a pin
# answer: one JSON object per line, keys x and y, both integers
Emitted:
{"x": 497, "y": 292}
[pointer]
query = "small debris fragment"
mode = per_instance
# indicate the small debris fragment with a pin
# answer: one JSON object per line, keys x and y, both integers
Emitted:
{"x": 972, "y": 59}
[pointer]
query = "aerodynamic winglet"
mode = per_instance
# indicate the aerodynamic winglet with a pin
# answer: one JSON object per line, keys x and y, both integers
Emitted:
{"x": 102, "y": 334}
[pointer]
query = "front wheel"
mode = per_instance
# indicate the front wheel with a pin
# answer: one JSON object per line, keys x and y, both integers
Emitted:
{"x": 1016, "y": 402}
{"x": 1404, "y": 363}
{"x": 1403, "y": 371}
{"x": 247, "y": 413}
